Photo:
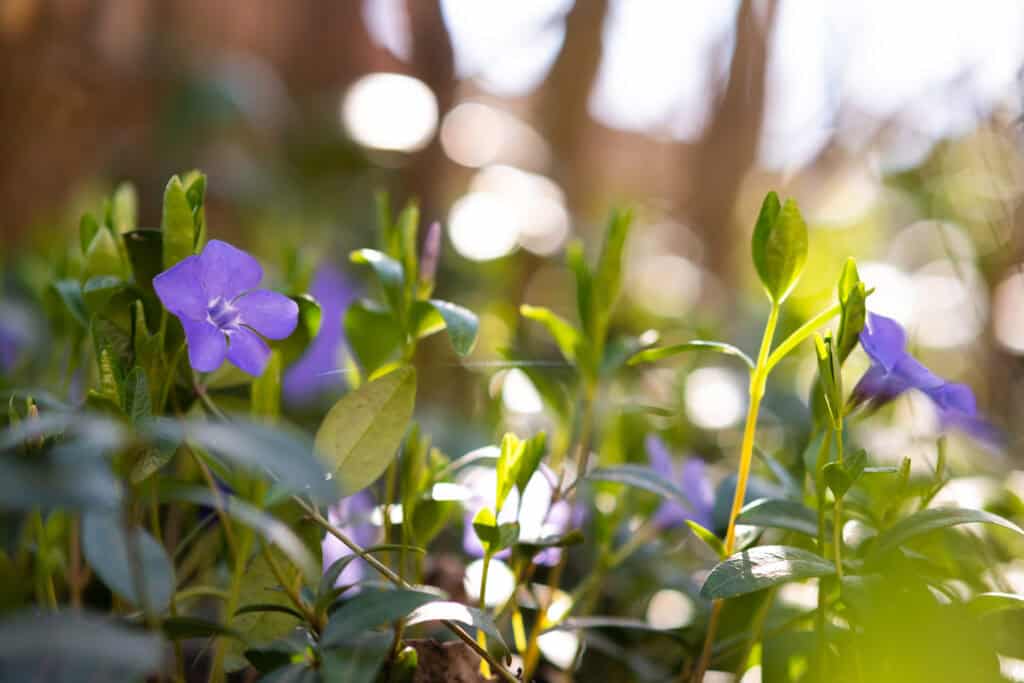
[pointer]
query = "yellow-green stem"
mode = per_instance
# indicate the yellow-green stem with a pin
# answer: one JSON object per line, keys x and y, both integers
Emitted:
{"x": 837, "y": 515}
{"x": 481, "y": 637}
{"x": 758, "y": 379}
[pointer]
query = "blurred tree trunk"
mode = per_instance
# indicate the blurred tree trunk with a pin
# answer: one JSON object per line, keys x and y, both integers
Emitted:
{"x": 728, "y": 149}
{"x": 562, "y": 114}
{"x": 433, "y": 62}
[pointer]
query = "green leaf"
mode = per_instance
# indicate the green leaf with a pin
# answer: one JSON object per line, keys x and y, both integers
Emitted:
{"x": 529, "y": 461}
{"x": 507, "y": 468}
{"x": 651, "y": 355}
{"x": 266, "y": 391}
{"x": 578, "y": 623}
{"x": 103, "y": 257}
{"x": 584, "y": 286}
{"x": 566, "y": 336}
{"x": 644, "y": 478}
{"x": 840, "y": 477}
{"x": 76, "y": 646}
{"x": 146, "y": 255}
{"x": 389, "y": 274}
{"x": 608, "y": 275}
{"x": 779, "y": 247}
{"x": 69, "y": 292}
{"x": 780, "y": 514}
{"x": 292, "y": 347}
{"x": 936, "y": 518}
{"x": 136, "y": 401}
{"x": 99, "y": 290}
{"x": 183, "y": 628}
{"x": 285, "y": 454}
{"x": 124, "y": 209}
{"x": 331, "y": 574}
{"x": 494, "y": 537}
{"x": 373, "y": 334}
{"x": 991, "y": 603}
{"x": 88, "y": 227}
{"x": 178, "y": 225}
{"x": 361, "y": 433}
{"x": 112, "y": 349}
{"x": 461, "y": 323}
{"x": 443, "y": 610}
{"x": 535, "y": 545}
{"x": 762, "y": 567}
{"x": 709, "y": 538}
{"x": 356, "y": 661}
{"x": 853, "y": 309}
{"x": 370, "y": 609}
{"x": 107, "y": 550}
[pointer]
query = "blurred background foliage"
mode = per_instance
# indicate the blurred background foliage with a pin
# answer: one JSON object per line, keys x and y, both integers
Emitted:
{"x": 518, "y": 126}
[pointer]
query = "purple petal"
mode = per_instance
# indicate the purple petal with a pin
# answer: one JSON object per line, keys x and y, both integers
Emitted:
{"x": 954, "y": 397}
{"x": 248, "y": 351}
{"x": 910, "y": 372}
{"x": 271, "y": 314}
{"x": 206, "y": 344}
{"x": 883, "y": 340}
{"x": 227, "y": 271}
{"x": 660, "y": 458}
{"x": 698, "y": 490}
{"x": 180, "y": 290}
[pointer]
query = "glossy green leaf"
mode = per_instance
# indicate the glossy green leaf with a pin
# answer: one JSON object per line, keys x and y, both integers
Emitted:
{"x": 389, "y": 274}
{"x": 533, "y": 452}
{"x": 762, "y": 567}
{"x": 780, "y": 514}
{"x": 992, "y": 603}
{"x": 779, "y": 246}
{"x": 932, "y": 519}
{"x": 461, "y": 323}
{"x": 840, "y": 477}
{"x": 177, "y": 223}
{"x": 370, "y": 609}
{"x": 652, "y": 355}
{"x": 99, "y": 290}
{"x": 853, "y": 307}
{"x": 111, "y": 555}
{"x": 75, "y": 646}
{"x": 443, "y": 610}
{"x": 506, "y": 470}
{"x": 361, "y": 433}
{"x": 565, "y": 335}
{"x": 372, "y": 333}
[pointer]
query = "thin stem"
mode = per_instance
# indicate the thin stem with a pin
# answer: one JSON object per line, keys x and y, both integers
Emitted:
{"x": 314, "y": 620}
{"x": 802, "y": 333}
{"x": 481, "y": 637}
{"x": 837, "y": 516}
{"x": 819, "y": 485}
{"x": 758, "y": 379}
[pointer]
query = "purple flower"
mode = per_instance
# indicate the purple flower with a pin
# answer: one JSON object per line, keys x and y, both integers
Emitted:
{"x": 17, "y": 330}
{"x": 316, "y": 371}
{"x": 214, "y": 296}
{"x": 894, "y": 371}
{"x": 351, "y": 515}
{"x": 693, "y": 482}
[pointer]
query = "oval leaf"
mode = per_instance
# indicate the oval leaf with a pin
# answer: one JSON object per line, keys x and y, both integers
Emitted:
{"x": 369, "y": 609}
{"x": 461, "y": 323}
{"x": 566, "y": 336}
{"x": 651, "y": 355}
{"x": 443, "y": 610}
{"x": 762, "y": 567}
{"x": 937, "y": 518}
{"x": 104, "y": 546}
{"x": 361, "y": 434}
{"x": 779, "y": 246}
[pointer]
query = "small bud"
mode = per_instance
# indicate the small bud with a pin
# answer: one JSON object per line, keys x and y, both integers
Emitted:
{"x": 431, "y": 254}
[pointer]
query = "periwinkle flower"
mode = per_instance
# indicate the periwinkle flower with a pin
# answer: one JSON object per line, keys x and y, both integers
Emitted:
{"x": 693, "y": 481}
{"x": 351, "y": 515}
{"x": 317, "y": 370}
{"x": 214, "y": 296}
{"x": 894, "y": 371}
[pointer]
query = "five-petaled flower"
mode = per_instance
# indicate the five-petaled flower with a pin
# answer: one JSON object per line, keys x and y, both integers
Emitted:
{"x": 214, "y": 295}
{"x": 893, "y": 371}
{"x": 693, "y": 482}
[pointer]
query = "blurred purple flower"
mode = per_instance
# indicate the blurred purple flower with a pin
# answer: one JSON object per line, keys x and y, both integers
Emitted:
{"x": 351, "y": 515}
{"x": 17, "y": 330}
{"x": 431, "y": 253}
{"x": 893, "y": 371}
{"x": 316, "y": 371}
{"x": 214, "y": 296}
{"x": 693, "y": 482}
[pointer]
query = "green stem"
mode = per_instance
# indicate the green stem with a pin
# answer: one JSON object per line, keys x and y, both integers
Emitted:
{"x": 837, "y": 516}
{"x": 819, "y": 485}
{"x": 758, "y": 380}
{"x": 802, "y": 333}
